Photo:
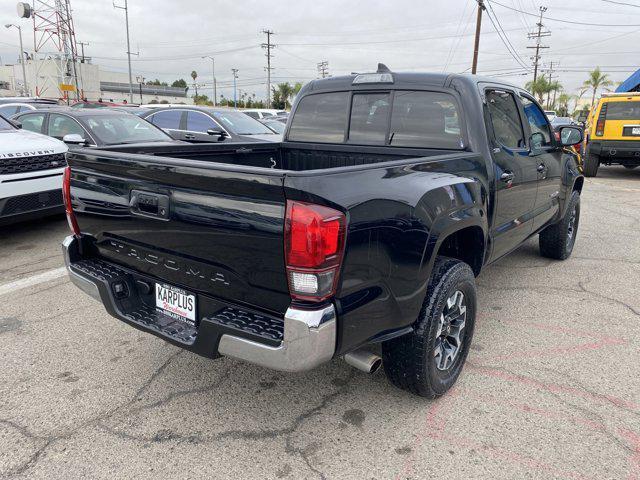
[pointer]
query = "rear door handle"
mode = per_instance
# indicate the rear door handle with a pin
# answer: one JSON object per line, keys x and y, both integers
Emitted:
{"x": 541, "y": 168}
{"x": 507, "y": 176}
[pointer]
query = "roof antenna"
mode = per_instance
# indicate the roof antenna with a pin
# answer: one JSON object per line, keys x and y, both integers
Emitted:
{"x": 382, "y": 68}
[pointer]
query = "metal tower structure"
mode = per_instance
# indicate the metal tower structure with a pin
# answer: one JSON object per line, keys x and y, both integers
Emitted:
{"x": 54, "y": 42}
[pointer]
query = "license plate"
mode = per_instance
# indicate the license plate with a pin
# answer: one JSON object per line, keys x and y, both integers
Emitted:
{"x": 176, "y": 303}
{"x": 635, "y": 131}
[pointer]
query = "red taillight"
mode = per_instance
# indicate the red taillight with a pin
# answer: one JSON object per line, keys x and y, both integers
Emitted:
{"x": 314, "y": 246}
{"x": 602, "y": 118}
{"x": 66, "y": 197}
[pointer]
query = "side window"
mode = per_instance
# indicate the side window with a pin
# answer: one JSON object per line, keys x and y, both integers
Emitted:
{"x": 425, "y": 120}
{"x": 167, "y": 119}
{"x": 320, "y": 118}
{"x": 199, "y": 122}
{"x": 61, "y": 125}
{"x": 24, "y": 108}
{"x": 369, "y": 118}
{"x": 540, "y": 130}
{"x": 33, "y": 122}
{"x": 8, "y": 111}
{"x": 505, "y": 119}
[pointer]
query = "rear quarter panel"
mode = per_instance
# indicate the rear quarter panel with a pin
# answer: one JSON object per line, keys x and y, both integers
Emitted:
{"x": 397, "y": 213}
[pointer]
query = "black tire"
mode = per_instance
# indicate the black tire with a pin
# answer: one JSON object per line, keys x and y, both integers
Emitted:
{"x": 557, "y": 241}
{"x": 591, "y": 165}
{"x": 409, "y": 361}
{"x": 630, "y": 167}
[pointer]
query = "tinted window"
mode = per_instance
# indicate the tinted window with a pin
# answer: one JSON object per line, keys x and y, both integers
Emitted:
{"x": 8, "y": 110}
{"x": 320, "y": 118}
{"x": 540, "y": 130}
{"x": 425, "y": 119}
{"x": 4, "y": 125}
{"x": 369, "y": 118}
{"x": 623, "y": 111}
{"x": 24, "y": 108}
{"x": 252, "y": 114}
{"x": 60, "y": 125}
{"x": 167, "y": 119}
{"x": 240, "y": 124}
{"x": 276, "y": 126}
{"x": 199, "y": 122}
{"x": 505, "y": 119}
{"x": 123, "y": 128}
{"x": 32, "y": 122}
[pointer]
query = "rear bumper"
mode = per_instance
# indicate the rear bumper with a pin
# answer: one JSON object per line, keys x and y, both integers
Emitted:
{"x": 307, "y": 339}
{"x": 625, "y": 152}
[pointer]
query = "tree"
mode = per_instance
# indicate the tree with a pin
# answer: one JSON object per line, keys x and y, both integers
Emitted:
{"x": 539, "y": 88}
{"x": 194, "y": 75}
{"x": 281, "y": 94}
{"x": 554, "y": 87}
{"x": 563, "y": 104}
{"x": 179, "y": 83}
{"x": 202, "y": 100}
{"x": 157, "y": 83}
{"x": 595, "y": 81}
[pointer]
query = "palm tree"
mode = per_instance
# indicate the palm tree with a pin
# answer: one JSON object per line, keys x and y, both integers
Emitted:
{"x": 538, "y": 88}
{"x": 563, "y": 104}
{"x": 284, "y": 92}
{"x": 553, "y": 87}
{"x": 194, "y": 75}
{"x": 595, "y": 81}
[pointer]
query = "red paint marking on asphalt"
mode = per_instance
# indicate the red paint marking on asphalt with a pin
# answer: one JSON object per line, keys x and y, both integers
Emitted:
{"x": 434, "y": 421}
{"x": 634, "y": 459}
{"x": 550, "y": 387}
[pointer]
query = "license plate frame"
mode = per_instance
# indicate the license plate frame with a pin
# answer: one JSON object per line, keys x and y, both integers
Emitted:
{"x": 176, "y": 303}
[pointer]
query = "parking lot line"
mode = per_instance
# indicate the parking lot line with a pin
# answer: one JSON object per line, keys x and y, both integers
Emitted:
{"x": 32, "y": 280}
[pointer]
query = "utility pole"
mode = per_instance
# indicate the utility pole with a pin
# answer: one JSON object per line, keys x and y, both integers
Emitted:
{"x": 82, "y": 44}
{"x": 235, "y": 92}
{"x": 213, "y": 70}
{"x": 538, "y": 35}
{"x": 476, "y": 45}
{"x": 268, "y": 46}
{"x": 25, "y": 89}
{"x": 126, "y": 17}
{"x": 323, "y": 69}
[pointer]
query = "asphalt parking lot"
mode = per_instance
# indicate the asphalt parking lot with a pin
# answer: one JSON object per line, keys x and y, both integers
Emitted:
{"x": 551, "y": 388}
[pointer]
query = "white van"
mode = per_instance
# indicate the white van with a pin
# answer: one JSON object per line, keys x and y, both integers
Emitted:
{"x": 31, "y": 168}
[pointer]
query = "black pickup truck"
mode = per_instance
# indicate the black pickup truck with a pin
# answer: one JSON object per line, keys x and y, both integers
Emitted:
{"x": 361, "y": 232}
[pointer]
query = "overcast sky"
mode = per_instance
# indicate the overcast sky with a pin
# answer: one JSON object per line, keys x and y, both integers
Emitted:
{"x": 430, "y": 35}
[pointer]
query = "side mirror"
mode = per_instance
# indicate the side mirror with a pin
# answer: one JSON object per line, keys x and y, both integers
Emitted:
{"x": 536, "y": 140}
{"x": 570, "y": 136}
{"x": 221, "y": 134}
{"x": 73, "y": 139}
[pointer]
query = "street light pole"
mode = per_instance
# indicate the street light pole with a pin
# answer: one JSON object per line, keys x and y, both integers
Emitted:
{"x": 126, "y": 17}
{"x": 235, "y": 94}
{"x": 213, "y": 70}
{"x": 25, "y": 92}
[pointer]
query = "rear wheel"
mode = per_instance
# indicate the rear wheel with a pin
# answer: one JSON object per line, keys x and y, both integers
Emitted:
{"x": 591, "y": 165}
{"x": 428, "y": 361}
{"x": 557, "y": 241}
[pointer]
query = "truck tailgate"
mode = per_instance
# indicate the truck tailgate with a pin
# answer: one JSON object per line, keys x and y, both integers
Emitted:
{"x": 204, "y": 227}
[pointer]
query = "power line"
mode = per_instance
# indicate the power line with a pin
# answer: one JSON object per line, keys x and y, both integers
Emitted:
{"x": 567, "y": 21}
{"x": 503, "y": 36}
{"x": 622, "y": 3}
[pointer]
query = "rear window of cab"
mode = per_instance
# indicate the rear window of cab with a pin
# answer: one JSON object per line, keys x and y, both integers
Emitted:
{"x": 629, "y": 110}
{"x": 418, "y": 119}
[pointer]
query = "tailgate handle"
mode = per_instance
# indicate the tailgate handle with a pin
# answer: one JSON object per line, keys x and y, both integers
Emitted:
{"x": 149, "y": 204}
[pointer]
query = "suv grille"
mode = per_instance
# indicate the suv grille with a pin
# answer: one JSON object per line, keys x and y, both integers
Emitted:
{"x": 32, "y": 202}
{"x": 31, "y": 164}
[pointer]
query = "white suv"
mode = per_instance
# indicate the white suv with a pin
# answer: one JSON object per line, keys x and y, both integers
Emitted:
{"x": 31, "y": 168}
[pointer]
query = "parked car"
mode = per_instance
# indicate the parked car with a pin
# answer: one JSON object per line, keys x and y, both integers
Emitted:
{"x": 614, "y": 133}
{"x": 274, "y": 125}
{"x": 100, "y": 104}
{"x": 551, "y": 114}
{"x": 366, "y": 226}
{"x": 209, "y": 124}
{"x": 92, "y": 127}
{"x": 562, "y": 121}
{"x": 5, "y": 100}
{"x": 264, "y": 113}
{"x": 8, "y": 110}
{"x": 31, "y": 168}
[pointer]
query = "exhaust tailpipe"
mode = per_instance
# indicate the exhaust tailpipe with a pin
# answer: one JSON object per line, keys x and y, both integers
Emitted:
{"x": 364, "y": 360}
